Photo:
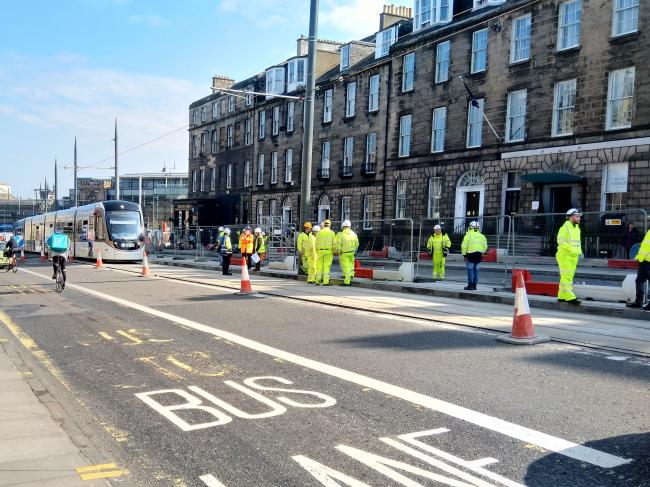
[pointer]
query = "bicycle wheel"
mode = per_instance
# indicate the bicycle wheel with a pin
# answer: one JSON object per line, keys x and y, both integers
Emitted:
{"x": 14, "y": 268}
{"x": 59, "y": 283}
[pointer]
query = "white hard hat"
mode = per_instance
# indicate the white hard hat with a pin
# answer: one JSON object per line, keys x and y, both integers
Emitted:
{"x": 573, "y": 211}
{"x": 346, "y": 223}
{"x": 221, "y": 229}
{"x": 473, "y": 224}
{"x": 315, "y": 228}
{"x": 258, "y": 230}
{"x": 437, "y": 227}
{"x": 227, "y": 231}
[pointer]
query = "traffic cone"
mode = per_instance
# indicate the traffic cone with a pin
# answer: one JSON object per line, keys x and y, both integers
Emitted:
{"x": 245, "y": 287}
{"x": 522, "y": 332}
{"x": 42, "y": 259}
{"x": 145, "y": 266}
{"x": 99, "y": 262}
{"x": 22, "y": 255}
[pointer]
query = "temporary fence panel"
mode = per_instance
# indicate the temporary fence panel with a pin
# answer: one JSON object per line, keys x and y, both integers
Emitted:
{"x": 603, "y": 234}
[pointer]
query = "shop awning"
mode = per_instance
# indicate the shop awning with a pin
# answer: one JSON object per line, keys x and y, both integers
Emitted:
{"x": 551, "y": 177}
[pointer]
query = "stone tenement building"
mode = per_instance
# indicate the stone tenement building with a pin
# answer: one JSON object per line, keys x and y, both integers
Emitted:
{"x": 555, "y": 114}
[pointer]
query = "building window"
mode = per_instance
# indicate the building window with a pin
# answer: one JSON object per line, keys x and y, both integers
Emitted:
{"x": 203, "y": 142}
{"x": 475, "y": 123}
{"x": 274, "y": 167}
{"x": 442, "y": 61}
{"x": 323, "y": 208}
{"x": 213, "y": 141}
{"x": 296, "y": 73}
{"x": 373, "y": 93}
{"x": 327, "y": 106}
{"x": 193, "y": 145}
{"x": 260, "y": 170}
{"x": 568, "y": 29}
{"x": 345, "y": 57}
{"x": 229, "y": 136}
{"x": 350, "y": 99}
{"x": 429, "y": 12}
{"x": 229, "y": 176}
{"x": 288, "y": 170}
{"x": 274, "y": 82}
{"x": 371, "y": 152}
{"x": 348, "y": 154}
{"x": 248, "y": 131}
{"x": 615, "y": 179}
{"x": 513, "y": 189}
{"x": 325, "y": 160}
{"x": 262, "y": 124}
{"x": 259, "y": 211}
{"x": 275, "y": 121}
{"x": 383, "y": 41}
{"x": 195, "y": 117}
{"x": 626, "y": 17}
{"x": 231, "y": 103}
{"x": 516, "y": 117}
{"x": 273, "y": 207}
{"x": 520, "y": 45}
{"x": 194, "y": 181}
{"x": 367, "y": 212}
{"x": 434, "y": 195}
{"x": 479, "y": 51}
{"x": 620, "y": 95}
{"x": 405, "y": 136}
{"x": 215, "y": 110}
{"x": 438, "y": 128}
{"x": 345, "y": 208}
{"x": 204, "y": 115}
{"x": 291, "y": 106}
{"x": 213, "y": 175}
{"x": 408, "y": 71}
{"x": 247, "y": 174}
{"x": 249, "y": 99}
{"x": 400, "y": 199}
{"x": 202, "y": 179}
{"x": 564, "y": 106}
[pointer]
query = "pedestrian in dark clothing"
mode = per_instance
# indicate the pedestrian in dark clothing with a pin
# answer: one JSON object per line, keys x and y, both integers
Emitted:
{"x": 630, "y": 238}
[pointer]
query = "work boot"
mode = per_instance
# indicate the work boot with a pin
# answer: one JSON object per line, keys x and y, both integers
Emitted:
{"x": 468, "y": 288}
{"x": 574, "y": 301}
{"x": 646, "y": 307}
{"x": 635, "y": 304}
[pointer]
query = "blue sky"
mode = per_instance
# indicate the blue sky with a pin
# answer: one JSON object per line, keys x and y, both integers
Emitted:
{"x": 69, "y": 67}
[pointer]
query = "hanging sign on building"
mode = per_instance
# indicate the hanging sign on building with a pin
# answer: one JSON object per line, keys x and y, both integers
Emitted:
{"x": 616, "y": 178}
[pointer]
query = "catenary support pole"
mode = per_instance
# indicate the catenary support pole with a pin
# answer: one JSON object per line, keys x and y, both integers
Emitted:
{"x": 117, "y": 176}
{"x": 76, "y": 201}
{"x": 308, "y": 138}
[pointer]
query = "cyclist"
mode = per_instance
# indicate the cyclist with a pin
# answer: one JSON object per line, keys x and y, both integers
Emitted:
{"x": 58, "y": 244}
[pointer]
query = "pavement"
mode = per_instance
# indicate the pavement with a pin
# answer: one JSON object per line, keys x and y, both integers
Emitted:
{"x": 39, "y": 446}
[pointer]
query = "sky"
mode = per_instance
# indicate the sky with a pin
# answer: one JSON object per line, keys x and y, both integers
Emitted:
{"x": 69, "y": 68}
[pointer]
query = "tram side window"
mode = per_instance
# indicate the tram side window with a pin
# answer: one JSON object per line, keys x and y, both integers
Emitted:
{"x": 100, "y": 231}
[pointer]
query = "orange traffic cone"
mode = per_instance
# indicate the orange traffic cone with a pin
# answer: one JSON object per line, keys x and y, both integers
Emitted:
{"x": 99, "y": 262}
{"x": 23, "y": 258}
{"x": 42, "y": 259}
{"x": 145, "y": 266}
{"x": 523, "y": 332}
{"x": 245, "y": 281}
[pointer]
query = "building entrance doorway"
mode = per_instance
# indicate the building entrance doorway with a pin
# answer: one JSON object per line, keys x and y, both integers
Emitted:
{"x": 561, "y": 199}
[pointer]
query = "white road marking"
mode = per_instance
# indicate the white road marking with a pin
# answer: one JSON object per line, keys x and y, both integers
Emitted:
{"x": 211, "y": 481}
{"x": 483, "y": 462}
{"x": 527, "y": 435}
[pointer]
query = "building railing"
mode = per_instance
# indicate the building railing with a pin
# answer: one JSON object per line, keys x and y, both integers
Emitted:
{"x": 323, "y": 173}
{"x": 345, "y": 170}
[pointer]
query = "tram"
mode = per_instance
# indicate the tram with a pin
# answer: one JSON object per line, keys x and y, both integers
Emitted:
{"x": 113, "y": 227}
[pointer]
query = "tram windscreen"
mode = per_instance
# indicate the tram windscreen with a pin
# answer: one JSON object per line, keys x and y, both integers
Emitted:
{"x": 124, "y": 225}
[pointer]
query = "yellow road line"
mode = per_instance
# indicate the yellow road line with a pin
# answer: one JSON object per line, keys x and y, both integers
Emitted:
{"x": 94, "y": 468}
{"x": 135, "y": 340}
{"x": 184, "y": 366}
{"x": 102, "y": 475}
{"x": 162, "y": 370}
{"x": 105, "y": 335}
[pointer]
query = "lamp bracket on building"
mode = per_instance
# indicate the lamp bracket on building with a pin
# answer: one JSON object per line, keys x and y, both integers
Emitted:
{"x": 243, "y": 93}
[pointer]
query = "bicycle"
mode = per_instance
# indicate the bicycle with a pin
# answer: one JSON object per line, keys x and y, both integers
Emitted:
{"x": 10, "y": 264}
{"x": 60, "y": 283}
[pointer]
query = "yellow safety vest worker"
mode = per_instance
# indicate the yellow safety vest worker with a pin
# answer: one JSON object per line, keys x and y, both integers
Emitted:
{"x": 260, "y": 244}
{"x": 644, "y": 251}
{"x": 474, "y": 241}
{"x": 436, "y": 243}
{"x": 326, "y": 239}
{"x": 303, "y": 238}
{"x": 568, "y": 239}
{"x": 310, "y": 246}
{"x": 347, "y": 241}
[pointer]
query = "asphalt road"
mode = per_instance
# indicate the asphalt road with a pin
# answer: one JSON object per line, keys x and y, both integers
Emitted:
{"x": 190, "y": 385}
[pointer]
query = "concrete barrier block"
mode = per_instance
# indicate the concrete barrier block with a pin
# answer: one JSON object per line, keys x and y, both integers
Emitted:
{"x": 280, "y": 266}
{"x": 407, "y": 272}
{"x": 384, "y": 275}
{"x": 599, "y": 293}
{"x": 629, "y": 287}
{"x": 290, "y": 262}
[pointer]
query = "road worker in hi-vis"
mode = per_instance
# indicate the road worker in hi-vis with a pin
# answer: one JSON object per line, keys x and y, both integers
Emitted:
{"x": 568, "y": 251}
{"x": 347, "y": 244}
{"x": 438, "y": 246}
{"x": 642, "y": 274}
{"x": 311, "y": 254}
{"x": 325, "y": 249}
{"x": 302, "y": 244}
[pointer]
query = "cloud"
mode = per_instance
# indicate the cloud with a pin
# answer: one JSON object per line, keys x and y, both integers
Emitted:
{"x": 150, "y": 20}
{"x": 353, "y": 19}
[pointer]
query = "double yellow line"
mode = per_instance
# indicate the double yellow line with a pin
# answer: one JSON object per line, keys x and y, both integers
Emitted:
{"x": 101, "y": 471}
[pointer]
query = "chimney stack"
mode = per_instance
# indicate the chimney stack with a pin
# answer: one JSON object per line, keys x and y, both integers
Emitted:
{"x": 393, "y": 14}
{"x": 221, "y": 82}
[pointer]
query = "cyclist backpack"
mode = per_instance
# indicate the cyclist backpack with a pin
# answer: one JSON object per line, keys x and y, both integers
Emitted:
{"x": 59, "y": 242}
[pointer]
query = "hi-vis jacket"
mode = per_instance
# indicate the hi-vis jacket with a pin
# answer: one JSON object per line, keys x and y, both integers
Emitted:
{"x": 568, "y": 239}
{"x": 436, "y": 243}
{"x": 644, "y": 252}
{"x": 474, "y": 241}
{"x": 246, "y": 243}
{"x": 303, "y": 239}
{"x": 347, "y": 241}
{"x": 326, "y": 240}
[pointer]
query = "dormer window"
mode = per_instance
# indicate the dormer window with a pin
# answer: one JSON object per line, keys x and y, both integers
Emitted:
{"x": 431, "y": 12}
{"x": 345, "y": 57}
{"x": 274, "y": 81}
{"x": 295, "y": 74}
{"x": 484, "y": 3}
{"x": 384, "y": 40}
